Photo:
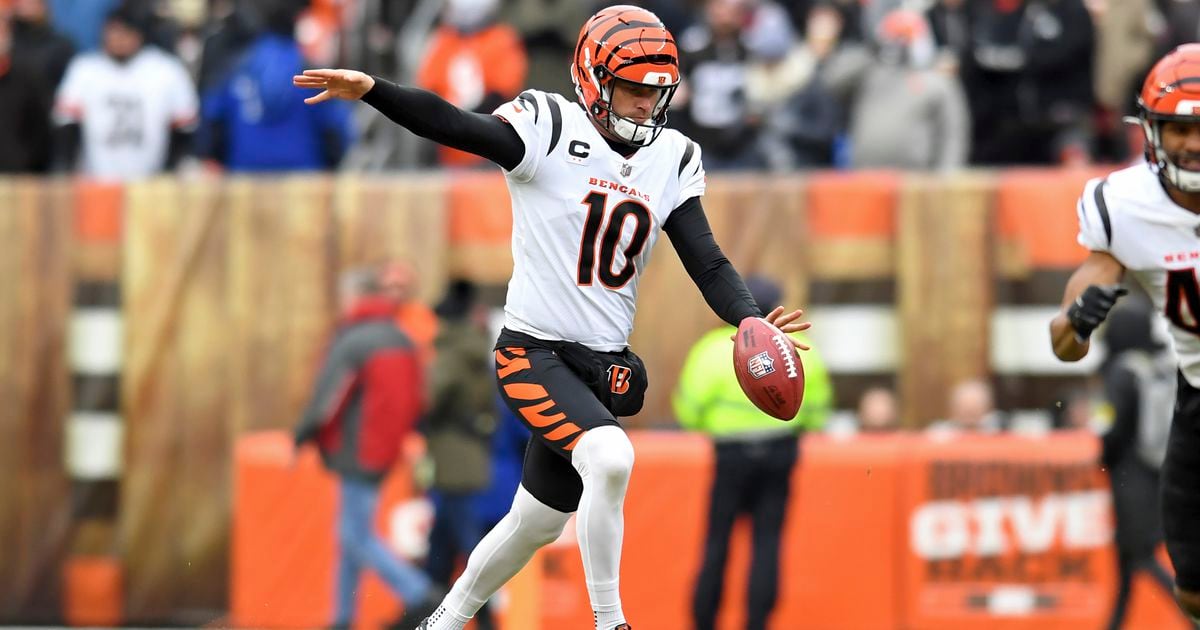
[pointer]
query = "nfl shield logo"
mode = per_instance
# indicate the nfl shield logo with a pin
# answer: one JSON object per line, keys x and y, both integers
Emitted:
{"x": 626, "y": 169}
{"x": 761, "y": 365}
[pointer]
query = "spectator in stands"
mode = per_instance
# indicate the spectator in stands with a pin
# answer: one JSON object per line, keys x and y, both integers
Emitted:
{"x": 1126, "y": 33}
{"x": 800, "y": 117}
{"x": 475, "y": 63}
{"x": 1182, "y": 23}
{"x": 1029, "y": 81}
{"x": 1139, "y": 382}
{"x": 549, "y": 31}
{"x": 24, "y": 118}
{"x": 366, "y": 399}
{"x": 36, "y": 42}
{"x": 82, "y": 20}
{"x": 459, "y": 428}
{"x": 970, "y": 409}
{"x": 878, "y": 411}
{"x": 231, "y": 28}
{"x": 129, "y": 110}
{"x": 401, "y": 282}
{"x": 755, "y": 456}
{"x": 253, "y": 122}
{"x": 950, "y": 25}
{"x": 906, "y": 114}
{"x": 711, "y": 107}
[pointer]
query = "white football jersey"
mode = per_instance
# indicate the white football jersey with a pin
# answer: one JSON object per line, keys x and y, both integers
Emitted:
{"x": 585, "y": 220}
{"x": 126, "y": 110}
{"x": 1157, "y": 241}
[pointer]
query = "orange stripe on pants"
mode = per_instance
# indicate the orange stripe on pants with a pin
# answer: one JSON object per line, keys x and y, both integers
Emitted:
{"x": 533, "y": 414}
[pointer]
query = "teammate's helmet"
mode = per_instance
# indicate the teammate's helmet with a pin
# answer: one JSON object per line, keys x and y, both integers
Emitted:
{"x": 625, "y": 43}
{"x": 1171, "y": 93}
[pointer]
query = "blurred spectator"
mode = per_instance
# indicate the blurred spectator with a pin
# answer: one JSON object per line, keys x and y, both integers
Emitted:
{"x": 418, "y": 321}
{"x": 711, "y": 104}
{"x": 878, "y": 411}
{"x": 1029, "y": 81}
{"x": 255, "y": 121}
{"x": 129, "y": 109}
{"x": 1126, "y": 33}
{"x": 755, "y": 455}
{"x": 950, "y": 25}
{"x": 24, "y": 117}
{"x": 460, "y": 424}
{"x": 1182, "y": 22}
{"x": 508, "y": 457}
{"x": 475, "y": 63}
{"x": 800, "y": 117}
{"x": 549, "y": 30}
{"x": 366, "y": 399}
{"x": 82, "y": 21}
{"x": 230, "y": 31}
{"x": 1139, "y": 382}
{"x": 37, "y": 43}
{"x": 970, "y": 409}
{"x": 1073, "y": 411}
{"x": 906, "y": 114}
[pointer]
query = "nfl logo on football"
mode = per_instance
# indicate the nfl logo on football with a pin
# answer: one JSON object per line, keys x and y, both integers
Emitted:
{"x": 761, "y": 365}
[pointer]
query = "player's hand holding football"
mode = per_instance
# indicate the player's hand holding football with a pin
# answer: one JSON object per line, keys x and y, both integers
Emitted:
{"x": 350, "y": 85}
{"x": 1092, "y": 306}
{"x": 786, "y": 322}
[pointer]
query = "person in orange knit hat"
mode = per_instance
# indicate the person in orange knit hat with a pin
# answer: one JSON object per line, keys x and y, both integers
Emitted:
{"x": 474, "y": 62}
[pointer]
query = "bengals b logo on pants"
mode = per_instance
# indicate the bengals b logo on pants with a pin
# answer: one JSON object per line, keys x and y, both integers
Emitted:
{"x": 618, "y": 379}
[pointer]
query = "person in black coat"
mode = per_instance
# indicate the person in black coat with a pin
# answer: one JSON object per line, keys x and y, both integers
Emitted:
{"x": 1139, "y": 382}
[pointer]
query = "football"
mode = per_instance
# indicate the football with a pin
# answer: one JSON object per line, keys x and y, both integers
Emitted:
{"x": 768, "y": 368}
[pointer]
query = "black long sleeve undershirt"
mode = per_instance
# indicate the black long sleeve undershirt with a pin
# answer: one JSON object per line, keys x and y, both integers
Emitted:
{"x": 430, "y": 116}
{"x": 719, "y": 283}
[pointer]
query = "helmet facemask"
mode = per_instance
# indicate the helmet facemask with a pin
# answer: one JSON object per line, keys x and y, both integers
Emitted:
{"x": 624, "y": 129}
{"x": 1158, "y": 157}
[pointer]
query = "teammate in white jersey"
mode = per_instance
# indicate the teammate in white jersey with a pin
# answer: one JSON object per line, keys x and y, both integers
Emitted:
{"x": 1145, "y": 219}
{"x": 592, "y": 182}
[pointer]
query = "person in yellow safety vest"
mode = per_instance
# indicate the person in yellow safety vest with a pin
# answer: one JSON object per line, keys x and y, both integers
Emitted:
{"x": 755, "y": 456}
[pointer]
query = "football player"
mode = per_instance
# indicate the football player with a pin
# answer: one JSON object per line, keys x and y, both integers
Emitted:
{"x": 1146, "y": 219}
{"x": 592, "y": 181}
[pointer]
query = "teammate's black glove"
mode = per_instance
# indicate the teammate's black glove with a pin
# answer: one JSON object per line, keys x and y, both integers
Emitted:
{"x": 1091, "y": 307}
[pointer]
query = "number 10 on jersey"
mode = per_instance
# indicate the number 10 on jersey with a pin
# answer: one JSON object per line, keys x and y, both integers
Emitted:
{"x": 610, "y": 240}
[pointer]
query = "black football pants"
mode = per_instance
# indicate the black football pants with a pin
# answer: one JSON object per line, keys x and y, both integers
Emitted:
{"x": 752, "y": 478}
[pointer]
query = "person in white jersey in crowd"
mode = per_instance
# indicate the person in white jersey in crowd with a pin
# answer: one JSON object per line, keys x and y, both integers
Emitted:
{"x": 126, "y": 112}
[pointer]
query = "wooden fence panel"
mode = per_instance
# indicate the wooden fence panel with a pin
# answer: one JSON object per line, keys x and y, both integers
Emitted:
{"x": 402, "y": 218}
{"x": 173, "y": 521}
{"x": 34, "y": 308}
{"x": 944, "y": 277}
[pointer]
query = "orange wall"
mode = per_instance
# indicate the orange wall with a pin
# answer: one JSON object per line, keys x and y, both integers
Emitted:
{"x": 848, "y": 561}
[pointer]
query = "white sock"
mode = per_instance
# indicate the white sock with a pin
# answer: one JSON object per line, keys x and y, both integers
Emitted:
{"x": 528, "y": 526}
{"x": 604, "y": 459}
{"x": 445, "y": 619}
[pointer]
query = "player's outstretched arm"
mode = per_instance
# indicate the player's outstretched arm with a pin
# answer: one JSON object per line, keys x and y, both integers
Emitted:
{"x": 421, "y": 112}
{"x": 720, "y": 284}
{"x": 1091, "y": 292}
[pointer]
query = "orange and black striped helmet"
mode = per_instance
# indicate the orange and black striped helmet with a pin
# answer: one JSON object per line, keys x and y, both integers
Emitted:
{"x": 1171, "y": 93}
{"x": 625, "y": 43}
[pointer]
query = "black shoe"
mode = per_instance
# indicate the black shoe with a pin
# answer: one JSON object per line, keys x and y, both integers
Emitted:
{"x": 416, "y": 617}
